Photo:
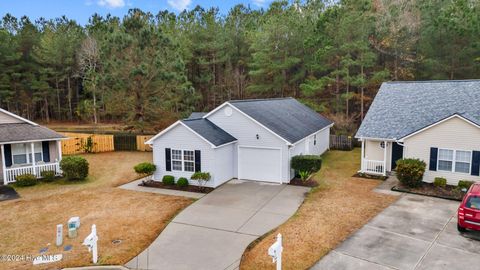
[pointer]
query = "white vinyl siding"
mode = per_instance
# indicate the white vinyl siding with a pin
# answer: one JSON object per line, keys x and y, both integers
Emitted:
{"x": 453, "y": 134}
{"x": 181, "y": 138}
{"x": 8, "y": 119}
{"x": 245, "y": 130}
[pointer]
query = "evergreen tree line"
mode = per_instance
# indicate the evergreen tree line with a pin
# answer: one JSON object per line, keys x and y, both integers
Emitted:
{"x": 148, "y": 69}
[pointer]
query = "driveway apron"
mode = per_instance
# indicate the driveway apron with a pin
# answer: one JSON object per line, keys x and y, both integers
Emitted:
{"x": 416, "y": 232}
{"x": 213, "y": 232}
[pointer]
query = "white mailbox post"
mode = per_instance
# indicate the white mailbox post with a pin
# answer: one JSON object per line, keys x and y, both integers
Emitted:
{"x": 91, "y": 242}
{"x": 59, "y": 239}
{"x": 275, "y": 251}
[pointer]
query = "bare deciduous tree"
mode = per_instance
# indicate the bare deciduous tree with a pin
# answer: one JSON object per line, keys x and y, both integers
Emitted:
{"x": 88, "y": 62}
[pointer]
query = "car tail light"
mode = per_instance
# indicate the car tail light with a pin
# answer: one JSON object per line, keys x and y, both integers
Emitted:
{"x": 461, "y": 214}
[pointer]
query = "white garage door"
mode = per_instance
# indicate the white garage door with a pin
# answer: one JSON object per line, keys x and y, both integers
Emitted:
{"x": 262, "y": 164}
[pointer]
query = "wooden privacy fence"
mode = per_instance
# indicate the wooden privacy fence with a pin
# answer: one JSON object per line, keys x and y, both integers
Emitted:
{"x": 342, "y": 142}
{"x": 79, "y": 142}
{"x": 141, "y": 146}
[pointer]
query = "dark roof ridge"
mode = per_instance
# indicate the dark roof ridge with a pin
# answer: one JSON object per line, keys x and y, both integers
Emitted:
{"x": 432, "y": 81}
{"x": 258, "y": 99}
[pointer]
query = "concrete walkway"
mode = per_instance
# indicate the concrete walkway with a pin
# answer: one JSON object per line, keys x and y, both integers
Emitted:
{"x": 213, "y": 232}
{"x": 416, "y": 232}
{"x": 134, "y": 186}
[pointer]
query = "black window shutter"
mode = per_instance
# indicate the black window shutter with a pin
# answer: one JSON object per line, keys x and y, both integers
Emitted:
{"x": 168, "y": 160}
{"x": 198, "y": 161}
{"x": 46, "y": 151}
{"x": 8, "y": 155}
{"x": 433, "y": 159}
{"x": 475, "y": 163}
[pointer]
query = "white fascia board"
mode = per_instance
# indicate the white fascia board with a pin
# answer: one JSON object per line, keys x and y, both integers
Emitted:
{"x": 225, "y": 144}
{"x": 375, "y": 139}
{"x": 38, "y": 140}
{"x": 299, "y": 141}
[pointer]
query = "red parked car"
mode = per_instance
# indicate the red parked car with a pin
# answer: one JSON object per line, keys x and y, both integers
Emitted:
{"x": 469, "y": 210}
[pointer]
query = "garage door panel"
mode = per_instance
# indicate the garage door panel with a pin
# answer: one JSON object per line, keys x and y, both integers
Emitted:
{"x": 262, "y": 164}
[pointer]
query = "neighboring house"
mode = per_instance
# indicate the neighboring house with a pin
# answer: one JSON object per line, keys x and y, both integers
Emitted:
{"x": 19, "y": 138}
{"x": 435, "y": 121}
{"x": 245, "y": 139}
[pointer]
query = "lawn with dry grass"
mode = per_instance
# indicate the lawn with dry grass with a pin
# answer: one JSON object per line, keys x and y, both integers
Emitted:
{"x": 136, "y": 218}
{"x": 340, "y": 205}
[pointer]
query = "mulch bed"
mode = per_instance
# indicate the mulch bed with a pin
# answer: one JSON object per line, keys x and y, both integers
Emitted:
{"x": 8, "y": 193}
{"x": 299, "y": 182}
{"x": 368, "y": 176}
{"x": 157, "y": 184}
{"x": 428, "y": 189}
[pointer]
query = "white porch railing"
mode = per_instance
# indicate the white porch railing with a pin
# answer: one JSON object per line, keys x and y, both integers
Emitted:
{"x": 373, "y": 166}
{"x": 12, "y": 173}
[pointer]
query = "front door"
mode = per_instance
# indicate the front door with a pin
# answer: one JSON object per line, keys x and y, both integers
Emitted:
{"x": 397, "y": 153}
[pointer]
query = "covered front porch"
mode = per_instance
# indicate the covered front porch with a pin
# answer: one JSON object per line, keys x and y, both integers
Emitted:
{"x": 379, "y": 156}
{"x": 32, "y": 157}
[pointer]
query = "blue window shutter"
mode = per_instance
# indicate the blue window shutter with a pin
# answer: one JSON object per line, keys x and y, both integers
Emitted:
{"x": 46, "y": 151}
{"x": 8, "y": 155}
{"x": 475, "y": 163}
{"x": 168, "y": 159}
{"x": 198, "y": 161}
{"x": 433, "y": 159}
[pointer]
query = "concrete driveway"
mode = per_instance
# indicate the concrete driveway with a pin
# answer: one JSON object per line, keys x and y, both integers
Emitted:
{"x": 213, "y": 232}
{"x": 416, "y": 232}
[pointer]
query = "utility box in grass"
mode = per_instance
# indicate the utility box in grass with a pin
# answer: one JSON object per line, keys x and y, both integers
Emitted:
{"x": 74, "y": 223}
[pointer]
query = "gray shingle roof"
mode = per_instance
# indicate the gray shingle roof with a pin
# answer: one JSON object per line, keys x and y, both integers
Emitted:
{"x": 196, "y": 115}
{"x": 401, "y": 108}
{"x": 287, "y": 117}
{"x": 26, "y": 132}
{"x": 209, "y": 131}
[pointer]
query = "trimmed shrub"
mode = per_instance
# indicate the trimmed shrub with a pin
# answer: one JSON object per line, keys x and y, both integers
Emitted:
{"x": 306, "y": 163}
{"x": 168, "y": 180}
{"x": 48, "y": 176}
{"x": 201, "y": 177}
{"x": 145, "y": 168}
{"x": 74, "y": 167}
{"x": 440, "y": 182}
{"x": 25, "y": 180}
{"x": 182, "y": 182}
{"x": 465, "y": 184}
{"x": 410, "y": 171}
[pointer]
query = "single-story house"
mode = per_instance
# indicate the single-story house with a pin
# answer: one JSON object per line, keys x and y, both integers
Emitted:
{"x": 27, "y": 148}
{"x": 244, "y": 139}
{"x": 435, "y": 121}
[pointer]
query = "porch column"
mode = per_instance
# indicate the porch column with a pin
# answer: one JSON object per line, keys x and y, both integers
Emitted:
{"x": 59, "y": 157}
{"x": 4, "y": 168}
{"x": 385, "y": 159}
{"x": 363, "y": 156}
{"x": 32, "y": 146}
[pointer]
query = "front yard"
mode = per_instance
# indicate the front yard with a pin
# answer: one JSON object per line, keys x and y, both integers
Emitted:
{"x": 340, "y": 205}
{"x": 28, "y": 224}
